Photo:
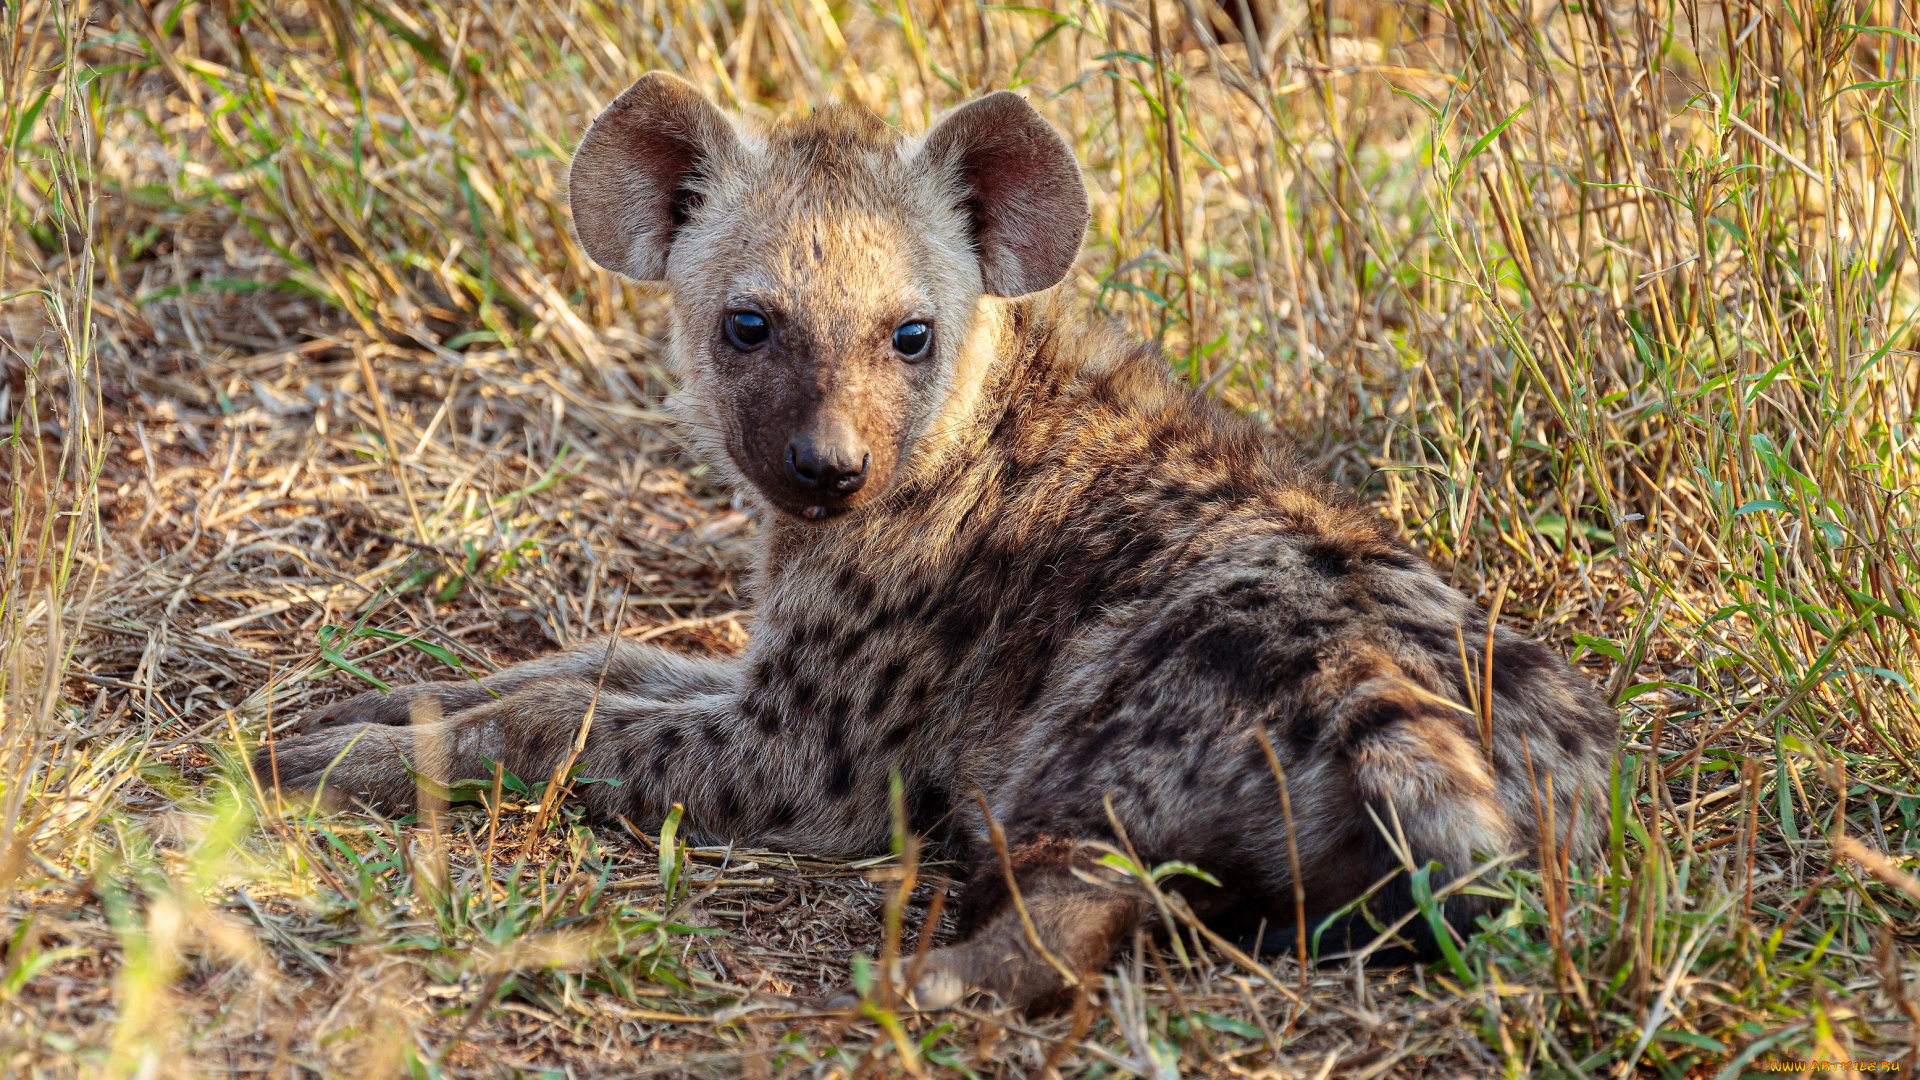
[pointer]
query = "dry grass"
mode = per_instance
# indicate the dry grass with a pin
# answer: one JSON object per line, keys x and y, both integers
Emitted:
{"x": 306, "y": 386}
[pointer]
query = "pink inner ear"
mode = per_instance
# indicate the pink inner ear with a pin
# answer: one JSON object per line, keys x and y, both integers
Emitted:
{"x": 1028, "y": 203}
{"x": 630, "y": 177}
{"x": 670, "y": 157}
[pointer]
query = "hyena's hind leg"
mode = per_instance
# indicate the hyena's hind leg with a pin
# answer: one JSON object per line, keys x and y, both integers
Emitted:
{"x": 641, "y": 670}
{"x": 1426, "y": 793}
{"x": 1079, "y": 919}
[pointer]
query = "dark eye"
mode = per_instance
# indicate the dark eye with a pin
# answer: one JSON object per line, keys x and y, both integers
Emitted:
{"x": 910, "y": 340}
{"x": 747, "y": 329}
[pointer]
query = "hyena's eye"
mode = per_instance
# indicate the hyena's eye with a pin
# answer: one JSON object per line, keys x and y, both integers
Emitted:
{"x": 747, "y": 329}
{"x": 911, "y": 339}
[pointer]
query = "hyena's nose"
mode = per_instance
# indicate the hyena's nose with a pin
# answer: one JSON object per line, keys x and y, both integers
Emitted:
{"x": 833, "y": 468}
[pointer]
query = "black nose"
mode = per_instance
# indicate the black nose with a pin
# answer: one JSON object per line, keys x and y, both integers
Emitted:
{"x": 832, "y": 469}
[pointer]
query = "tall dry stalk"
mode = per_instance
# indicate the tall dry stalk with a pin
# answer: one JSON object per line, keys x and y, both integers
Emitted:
{"x": 56, "y": 441}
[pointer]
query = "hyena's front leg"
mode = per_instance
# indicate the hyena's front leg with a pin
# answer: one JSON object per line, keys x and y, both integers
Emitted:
{"x": 379, "y": 763}
{"x": 737, "y": 781}
{"x": 530, "y": 730}
{"x": 643, "y": 670}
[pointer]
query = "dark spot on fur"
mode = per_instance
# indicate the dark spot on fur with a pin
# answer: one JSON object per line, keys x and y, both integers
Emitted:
{"x": 1395, "y": 558}
{"x": 960, "y": 628}
{"x": 1203, "y": 744}
{"x": 1165, "y": 730}
{"x": 1154, "y": 730}
{"x": 1094, "y": 745}
{"x": 849, "y": 645}
{"x": 1037, "y": 680}
{"x": 1156, "y": 648}
{"x": 927, "y": 807}
{"x": 729, "y": 804}
{"x": 841, "y": 709}
{"x": 1517, "y": 662}
{"x": 883, "y": 687}
{"x": 714, "y": 733}
{"x": 1432, "y": 639}
{"x": 1313, "y": 627}
{"x": 1221, "y": 491}
{"x": 669, "y": 737}
{"x": 1292, "y": 666}
{"x": 897, "y": 735}
{"x": 1373, "y": 716}
{"x": 915, "y": 604}
{"x": 1116, "y": 691}
{"x": 1249, "y": 660}
{"x": 1327, "y": 559}
{"x": 1012, "y": 473}
{"x": 1247, "y": 595}
{"x": 840, "y": 779}
{"x": 801, "y": 695}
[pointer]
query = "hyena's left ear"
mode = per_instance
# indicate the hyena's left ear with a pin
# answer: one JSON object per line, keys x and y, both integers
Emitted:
{"x": 1021, "y": 186}
{"x": 640, "y": 170}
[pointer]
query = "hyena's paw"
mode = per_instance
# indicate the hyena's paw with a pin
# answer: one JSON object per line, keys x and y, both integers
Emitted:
{"x": 393, "y": 708}
{"x": 1080, "y": 922}
{"x": 345, "y": 765}
{"x": 939, "y": 985}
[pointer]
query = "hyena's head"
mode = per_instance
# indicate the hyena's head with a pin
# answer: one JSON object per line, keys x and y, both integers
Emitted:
{"x": 829, "y": 275}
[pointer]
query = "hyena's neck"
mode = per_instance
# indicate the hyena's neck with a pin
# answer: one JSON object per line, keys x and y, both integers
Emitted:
{"x": 970, "y": 403}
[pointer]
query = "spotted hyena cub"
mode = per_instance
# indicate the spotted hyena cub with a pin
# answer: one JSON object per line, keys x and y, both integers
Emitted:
{"x": 1004, "y": 558}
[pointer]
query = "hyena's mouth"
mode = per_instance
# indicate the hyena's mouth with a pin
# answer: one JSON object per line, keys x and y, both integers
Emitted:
{"x": 808, "y": 506}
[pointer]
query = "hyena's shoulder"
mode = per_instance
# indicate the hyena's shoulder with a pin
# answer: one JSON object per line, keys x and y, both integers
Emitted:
{"x": 1097, "y": 432}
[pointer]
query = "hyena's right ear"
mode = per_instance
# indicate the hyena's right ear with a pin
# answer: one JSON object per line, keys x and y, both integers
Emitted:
{"x": 637, "y": 174}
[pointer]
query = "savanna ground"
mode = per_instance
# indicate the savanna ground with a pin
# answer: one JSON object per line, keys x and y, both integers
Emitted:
{"x": 307, "y": 388}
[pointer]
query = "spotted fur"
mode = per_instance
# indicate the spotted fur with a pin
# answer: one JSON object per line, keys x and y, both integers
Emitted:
{"x": 1067, "y": 580}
